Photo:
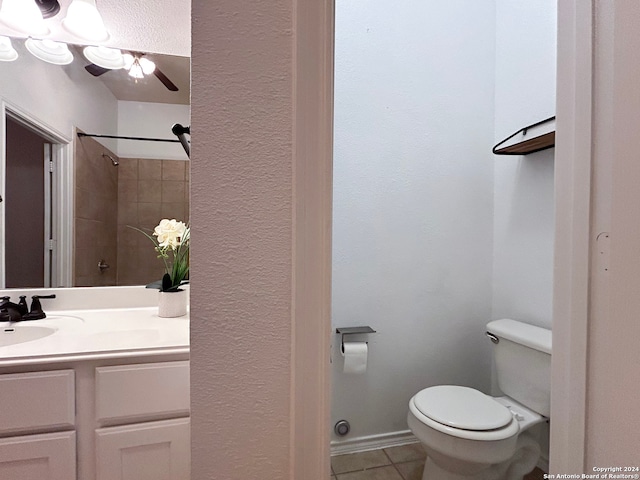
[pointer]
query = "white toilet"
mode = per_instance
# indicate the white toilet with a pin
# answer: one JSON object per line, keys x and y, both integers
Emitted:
{"x": 471, "y": 436}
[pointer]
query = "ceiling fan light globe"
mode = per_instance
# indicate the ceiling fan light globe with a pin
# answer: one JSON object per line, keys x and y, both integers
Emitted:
{"x": 105, "y": 57}
{"x": 148, "y": 67}
{"x": 49, "y": 51}
{"x": 24, "y": 17}
{"x": 7, "y": 52}
{"x": 128, "y": 60}
{"x": 136, "y": 70}
{"x": 84, "y": 21}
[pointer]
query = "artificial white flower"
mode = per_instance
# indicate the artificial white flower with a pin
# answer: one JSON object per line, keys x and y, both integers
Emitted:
{"x": 172, "y": 245}
{"x": 171, "y": 233}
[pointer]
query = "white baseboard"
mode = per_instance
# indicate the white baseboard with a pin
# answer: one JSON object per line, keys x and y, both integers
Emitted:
{"x": 372, "y": 442}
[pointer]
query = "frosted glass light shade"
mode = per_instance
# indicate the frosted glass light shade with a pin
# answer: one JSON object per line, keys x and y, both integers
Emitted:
{"x": 84, "y": 21}
{"x": 24, "y": 17}
{"x": 7, "y": 52}
{"x": 138, "y": 66}
{"x": 136, "y": 70}
{"x": 105, "y": 57}
{"x": 128, "y": 60}
{"x": 148, "y": 67}
{"x": 49, "y": 51}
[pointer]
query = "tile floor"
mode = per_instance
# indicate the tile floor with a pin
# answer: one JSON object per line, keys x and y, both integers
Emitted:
{"x": 405, "y": 462}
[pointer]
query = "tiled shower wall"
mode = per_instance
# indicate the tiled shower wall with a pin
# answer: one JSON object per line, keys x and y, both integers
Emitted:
{"x": 110, "y": 199}
{"x": 148, "y": 191}
{"x": 96, "y": 194}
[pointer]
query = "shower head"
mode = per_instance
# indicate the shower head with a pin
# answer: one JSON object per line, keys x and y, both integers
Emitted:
{"x": 115, "y": 162}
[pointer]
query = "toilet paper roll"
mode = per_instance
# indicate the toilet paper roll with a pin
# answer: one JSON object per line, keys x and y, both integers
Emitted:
{"x": 355, "y": 357}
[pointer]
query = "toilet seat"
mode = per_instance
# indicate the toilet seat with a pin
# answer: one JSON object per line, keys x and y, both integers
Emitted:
{"x": 462, "y": 407}
{"x": 463, "y": 412}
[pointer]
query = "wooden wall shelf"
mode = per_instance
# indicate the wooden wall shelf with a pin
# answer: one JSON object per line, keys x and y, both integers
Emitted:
{"x": 533, "y": 138}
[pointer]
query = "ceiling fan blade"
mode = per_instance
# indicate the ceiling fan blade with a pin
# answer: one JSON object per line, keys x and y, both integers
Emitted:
{"x": 95, "y": 70}
{"x": 165, "y": 81}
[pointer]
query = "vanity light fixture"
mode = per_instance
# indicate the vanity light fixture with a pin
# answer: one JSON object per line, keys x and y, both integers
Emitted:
{"x": 84, "y": 21}
{"x": 138, "y": 66}
{"x": 49, "y": 51}
{"x": 7, "y": 52}
{"x": 49, "y": 8}
{"x": 24, "y": 17}
{"x": 105, "y": 57}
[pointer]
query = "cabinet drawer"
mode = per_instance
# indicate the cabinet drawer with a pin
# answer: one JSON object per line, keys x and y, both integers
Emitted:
{"x": 144, "y": 391}
{"x": 34, "y": 401}
{"x": 51, "y": 456}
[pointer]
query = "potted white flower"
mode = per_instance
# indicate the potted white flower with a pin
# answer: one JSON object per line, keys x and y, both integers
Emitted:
{"x": 171, "y": 240}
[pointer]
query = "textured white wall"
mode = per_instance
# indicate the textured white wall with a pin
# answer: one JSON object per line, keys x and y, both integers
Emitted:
{"x": 151, "y": 120}
{"x": 523, "y": 185}
{"x": 241, "y": 174}
{"x": 261, "y": 216}
{"x": 158, "y": 26}
{"x": 413, "y": 175}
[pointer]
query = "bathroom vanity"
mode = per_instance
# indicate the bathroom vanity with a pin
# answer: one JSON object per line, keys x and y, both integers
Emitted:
{"x": 95, "y": 394}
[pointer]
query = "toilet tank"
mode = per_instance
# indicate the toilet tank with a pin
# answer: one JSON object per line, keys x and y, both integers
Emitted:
{"x": 523, "y": 362}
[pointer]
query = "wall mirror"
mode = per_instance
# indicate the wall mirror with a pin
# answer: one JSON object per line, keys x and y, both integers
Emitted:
{"x": 69, "y": 200}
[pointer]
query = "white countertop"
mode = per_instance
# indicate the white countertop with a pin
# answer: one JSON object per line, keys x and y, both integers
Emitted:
{"x": 98, "y": 333}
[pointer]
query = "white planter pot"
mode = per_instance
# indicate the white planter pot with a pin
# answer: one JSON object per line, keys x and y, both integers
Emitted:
{"x": 172, "y": 304}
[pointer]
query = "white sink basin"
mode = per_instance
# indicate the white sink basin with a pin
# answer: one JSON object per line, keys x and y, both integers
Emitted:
{"x": 11, "y": 335}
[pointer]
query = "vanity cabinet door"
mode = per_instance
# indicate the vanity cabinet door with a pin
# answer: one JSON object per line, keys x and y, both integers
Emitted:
{"x": 50, "y": 456}
{"x": 144, "y": 451}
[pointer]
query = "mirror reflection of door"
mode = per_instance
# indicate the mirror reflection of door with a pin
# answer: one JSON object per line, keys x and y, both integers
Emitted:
{"x": 28, "y": 254}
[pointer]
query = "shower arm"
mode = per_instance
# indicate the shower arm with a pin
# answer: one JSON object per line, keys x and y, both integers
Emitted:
{"x": 113, "y": 160}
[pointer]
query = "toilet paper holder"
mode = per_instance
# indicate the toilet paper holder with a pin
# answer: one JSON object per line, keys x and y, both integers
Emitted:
{"x": 352, "y": 331}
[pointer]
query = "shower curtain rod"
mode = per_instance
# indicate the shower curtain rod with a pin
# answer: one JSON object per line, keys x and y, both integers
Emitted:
{"x": 80, "y": 134}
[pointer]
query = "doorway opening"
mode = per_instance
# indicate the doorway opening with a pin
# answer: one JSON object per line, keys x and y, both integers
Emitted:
{"x": 31, "y": 172}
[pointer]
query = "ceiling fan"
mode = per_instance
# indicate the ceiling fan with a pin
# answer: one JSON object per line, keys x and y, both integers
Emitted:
{"x": 102, "y": 58}
{"x": 137, "y": 65}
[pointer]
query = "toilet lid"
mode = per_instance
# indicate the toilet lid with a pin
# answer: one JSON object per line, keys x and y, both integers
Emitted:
{"x": 462, "y": 407}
